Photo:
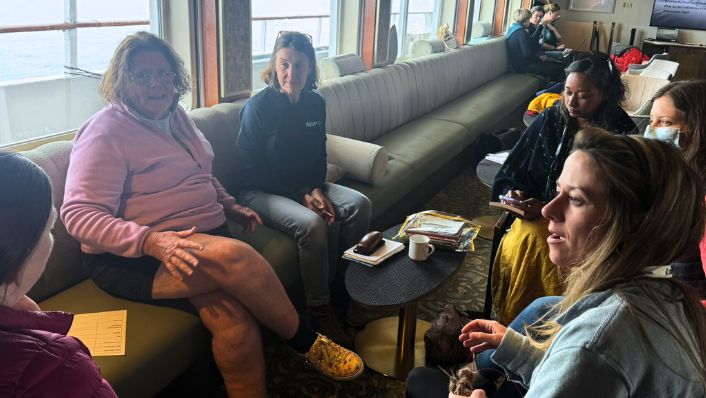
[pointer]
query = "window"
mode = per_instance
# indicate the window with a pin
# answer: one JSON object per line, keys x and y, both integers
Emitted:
{"x": 415, "y": 20}
{"x": 53, "y": 53}
{"x": 313, "y": 17}
{"x": 510, "y": 7}
{"x": 483, "y": 17}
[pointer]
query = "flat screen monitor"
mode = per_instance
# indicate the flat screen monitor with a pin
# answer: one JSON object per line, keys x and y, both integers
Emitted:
{"x": 679, "y": 14}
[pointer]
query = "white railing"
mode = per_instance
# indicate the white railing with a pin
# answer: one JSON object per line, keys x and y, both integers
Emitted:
{"x": 48, "y": 105}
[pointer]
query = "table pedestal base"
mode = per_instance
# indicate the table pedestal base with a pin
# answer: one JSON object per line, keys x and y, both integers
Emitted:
{"x": 377, "y": 344}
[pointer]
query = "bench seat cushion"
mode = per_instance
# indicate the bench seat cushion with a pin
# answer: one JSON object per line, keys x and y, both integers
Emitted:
{"x": 160, "y": 342}
{"x": 489, "y": 104}
{"x": 425, "y": 143}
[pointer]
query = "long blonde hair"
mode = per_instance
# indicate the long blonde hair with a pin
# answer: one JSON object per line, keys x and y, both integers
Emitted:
{"x": 654, "y": 212}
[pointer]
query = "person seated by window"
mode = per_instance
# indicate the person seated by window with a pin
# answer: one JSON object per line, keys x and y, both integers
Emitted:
{"x": 679, "y": 114}
{"x": 625, "y": 206}
{"x": 525, "y": 56}
{"x": 141, "y": 199}
{"x": 535, "y": 27}
{"x": 593, "y": 94}
{"x": 38, "y": 358}
{"x": 281, "y": 170}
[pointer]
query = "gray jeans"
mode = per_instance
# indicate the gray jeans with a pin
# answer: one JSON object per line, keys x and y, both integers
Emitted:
{"x": 310, "y": 231}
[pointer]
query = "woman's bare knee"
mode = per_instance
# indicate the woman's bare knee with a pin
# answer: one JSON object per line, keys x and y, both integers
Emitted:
{"x": 230, "y": 258}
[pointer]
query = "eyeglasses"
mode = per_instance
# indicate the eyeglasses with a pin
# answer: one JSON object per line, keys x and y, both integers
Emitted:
{"x": 293, "y": 33}
{"x": 145, "y": 78}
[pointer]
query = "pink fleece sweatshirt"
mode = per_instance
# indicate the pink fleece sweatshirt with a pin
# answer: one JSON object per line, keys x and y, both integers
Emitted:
{"x": 126, "y": 178}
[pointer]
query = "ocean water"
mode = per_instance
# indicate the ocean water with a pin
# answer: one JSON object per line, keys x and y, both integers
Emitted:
{"x": 30, "y": 55}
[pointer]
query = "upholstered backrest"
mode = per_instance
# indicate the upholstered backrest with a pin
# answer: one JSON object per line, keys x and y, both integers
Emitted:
{"x": 220, "y": 124}
{"x": 366, "y": 105}
{"x": 64, "y": 266}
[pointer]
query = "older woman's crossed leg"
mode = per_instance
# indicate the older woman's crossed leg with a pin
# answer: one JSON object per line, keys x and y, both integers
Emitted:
{"x": 233, "y": 288}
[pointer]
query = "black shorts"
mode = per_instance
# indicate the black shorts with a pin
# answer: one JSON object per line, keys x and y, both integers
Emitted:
{"x": 132, "y": 278}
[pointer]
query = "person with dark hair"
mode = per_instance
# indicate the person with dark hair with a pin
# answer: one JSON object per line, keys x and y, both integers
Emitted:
{"x": 151, "y": 218}
{"x": 679, "y": 114}
{"x": 535, "y": 26}
{"x": 281, "y": 170}
{"x": 524, "y": 53}
{"x": 38, "y": 358}
{"x": 593, "y": 94}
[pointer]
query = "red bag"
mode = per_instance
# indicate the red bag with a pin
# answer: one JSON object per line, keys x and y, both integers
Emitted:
{"x": 631, "y": 55}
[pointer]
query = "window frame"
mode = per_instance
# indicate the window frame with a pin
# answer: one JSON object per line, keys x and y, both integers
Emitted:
{"x": 70, "y": 25}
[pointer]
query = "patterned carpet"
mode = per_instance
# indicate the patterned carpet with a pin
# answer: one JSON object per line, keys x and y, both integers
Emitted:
{"x": 288, "y": 376}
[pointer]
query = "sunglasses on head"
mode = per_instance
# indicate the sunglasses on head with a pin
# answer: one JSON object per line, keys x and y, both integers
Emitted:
{"x": 293, "y": 33}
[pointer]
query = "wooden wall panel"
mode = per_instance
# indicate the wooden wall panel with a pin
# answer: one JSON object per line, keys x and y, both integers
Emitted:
{"x": 209, "y": 51}
{"x": 367, "y": 41}
{"x": 235, "y": 53}
{"x": 462, "y": 28}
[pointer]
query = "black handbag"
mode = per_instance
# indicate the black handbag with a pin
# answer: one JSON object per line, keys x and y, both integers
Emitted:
{"x": 441, "y": 340}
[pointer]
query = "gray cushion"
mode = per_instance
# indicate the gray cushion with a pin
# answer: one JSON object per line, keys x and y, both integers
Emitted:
{"x": 64, "y": 266}
{"x": 489, "y": 104}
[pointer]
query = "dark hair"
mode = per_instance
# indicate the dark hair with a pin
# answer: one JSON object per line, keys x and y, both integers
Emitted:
{"x": 116, "y": 78}
{"x": 299, "y": 42}
{"x": 689, "y": 98}
{"x": 25, "y": 206}
{"x": 537, "y": 8}
{"x": 605, "y": 75}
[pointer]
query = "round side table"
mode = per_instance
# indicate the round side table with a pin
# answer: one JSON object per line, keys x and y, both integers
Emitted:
{"x": 393, "y": 346}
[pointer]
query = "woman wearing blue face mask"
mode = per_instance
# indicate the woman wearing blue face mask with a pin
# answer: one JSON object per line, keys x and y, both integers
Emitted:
{"x": 679, "y": 114}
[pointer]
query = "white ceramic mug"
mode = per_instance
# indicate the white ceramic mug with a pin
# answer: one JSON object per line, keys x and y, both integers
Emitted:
{"x": 419, "y": 247}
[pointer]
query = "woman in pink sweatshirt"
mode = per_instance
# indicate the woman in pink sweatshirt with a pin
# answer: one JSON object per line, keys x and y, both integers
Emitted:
{"x": 38, "y": 359}
{"x": 151, "y": 219}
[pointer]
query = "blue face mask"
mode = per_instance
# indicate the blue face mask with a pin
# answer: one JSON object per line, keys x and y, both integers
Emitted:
{"x": 669, "y": 134}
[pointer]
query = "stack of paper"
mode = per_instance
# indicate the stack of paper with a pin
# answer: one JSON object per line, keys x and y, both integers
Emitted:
{"x": 387, "y": 250}
{"x": 499, "y": 157}
{"x": 439, "y": 230}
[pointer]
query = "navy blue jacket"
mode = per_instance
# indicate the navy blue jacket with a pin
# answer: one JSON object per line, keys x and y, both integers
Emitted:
{"x": 281, "y": 147}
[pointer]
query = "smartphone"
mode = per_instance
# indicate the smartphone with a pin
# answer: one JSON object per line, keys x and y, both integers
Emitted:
{"x": 509, "y": 200}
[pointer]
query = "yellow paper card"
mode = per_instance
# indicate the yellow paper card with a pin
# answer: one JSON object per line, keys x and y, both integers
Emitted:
{"x": 102, "y": 332}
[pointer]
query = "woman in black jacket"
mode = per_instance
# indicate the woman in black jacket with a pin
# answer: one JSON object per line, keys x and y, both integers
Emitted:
{"x": 525, "y": 54}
